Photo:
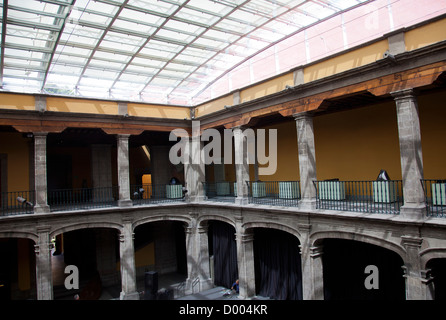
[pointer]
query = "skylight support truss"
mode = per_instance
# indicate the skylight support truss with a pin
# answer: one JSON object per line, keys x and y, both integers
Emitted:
{"x": 144, "y": 48}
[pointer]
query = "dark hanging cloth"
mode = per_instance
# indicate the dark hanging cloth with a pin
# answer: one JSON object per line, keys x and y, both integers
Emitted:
{"x": 224, "y": 249}
{"x": 277, "y": 265}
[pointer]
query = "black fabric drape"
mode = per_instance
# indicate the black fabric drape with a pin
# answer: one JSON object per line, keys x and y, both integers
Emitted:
{"x": 277, "y": 265}
{"x": 224, "y": 249}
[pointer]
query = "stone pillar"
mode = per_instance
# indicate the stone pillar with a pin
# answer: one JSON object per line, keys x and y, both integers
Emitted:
{"x": 245, "y": 259}
{"x": 241, "y": 166}
{"x": 160, "y": 165}
{"x": 41, "y": 205}
{"x": 312, "y": 272}
{"x": 192, "y": 260}
{"x": 101, "y": 170}
{"x": 307, "y": 160}
{"x": 410, "y": 153}
{"x": 124, "y": 171}
{"x": 194, "y": 169}
{"x": 197, "y": 247}
{"x": 44, "y": 279}
{"x": 127, "y": 262}
{"x": 203, "y": 257}
{"x": 419, "y": 283}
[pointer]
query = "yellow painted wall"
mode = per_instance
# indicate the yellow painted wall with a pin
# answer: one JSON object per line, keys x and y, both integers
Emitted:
{"x": 17, "y": 101}
{"x": 267, "y": 87}
{"x": 213, "y": 106}
{"x": 157, "y": 111}
{"x": 287, "y": 157}
{"x": 433, "y": 134}
{"x": 17, "y": 149}
{"x": 425, "y": 35}
{"x": 346, "y": 61}
{"x": 145, "y": 256}
{"x": 357, "y": 144}
{"x": 81, "y": 106}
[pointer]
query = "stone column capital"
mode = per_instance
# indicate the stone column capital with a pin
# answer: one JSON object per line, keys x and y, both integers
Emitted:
{"x": 302, "y": 116}
{"x": 404, "y": 94}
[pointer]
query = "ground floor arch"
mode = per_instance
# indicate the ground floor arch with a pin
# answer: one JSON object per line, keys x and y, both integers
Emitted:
{"x": 160, "y": 246}
{"x": 437, "y": 267}
{"x": 95, "y": 254}
{"x": 344, "y": 271}
{"x": 278, "y": 267}
{"x": 222, "y": 253}
{"x": 17, "y": 269}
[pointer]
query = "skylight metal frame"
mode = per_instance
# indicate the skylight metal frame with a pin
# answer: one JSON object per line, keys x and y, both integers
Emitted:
{"x": 194, "y": 47}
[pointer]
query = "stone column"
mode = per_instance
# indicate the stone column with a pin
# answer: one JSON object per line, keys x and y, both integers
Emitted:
{"x": 312, "y": 272}
{"x": 194, "y": 169}
{"x": 307, "y": 160}
{"x": 192, "y": 260}
{"x": 101, "y": 171}
{"x": 44, "y": 279}
{"x": 197, "y": 248}
{"x": 241, "y": 166}
{"x": 419, "y": 283}
{"x": 124, "y": 171}
{"x": 245, "y": 259}
{"x": 203, "y": 257}
{"x": 41, "y": 205}
{"x": 410, "y": 153}
{"x": 127, "y": 262}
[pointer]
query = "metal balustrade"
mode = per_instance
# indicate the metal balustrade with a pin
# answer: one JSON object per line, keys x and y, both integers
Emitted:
{"x": 156, "y": 193}
{"x": 82, "y": 198}
{"x": 435, "y": 196}
{"x": 221, "y": 191}
{"x": 356, "y": 196}
{"x": 360, "y": 196}
{"x": 17, "y": 202}
{"x": 274, "y": 193}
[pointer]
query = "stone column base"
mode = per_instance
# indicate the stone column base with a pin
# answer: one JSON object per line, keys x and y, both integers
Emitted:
{"x": 129, "y": 296}
{"x": 414, "y": 211}
{"x": 307, "y": 204}
{"x": 241, "y": 201}
{"x": 42, "y": 209}
{"x": 125, "y": 203}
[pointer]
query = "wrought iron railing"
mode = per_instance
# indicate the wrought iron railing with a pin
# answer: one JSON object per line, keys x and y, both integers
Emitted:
{"x": 156, "y": 193}
{"x": 360, "y": 196}
{"x": 82, "y": 198}
{"x": 274, "y": 193}
{"x": 222, "y": 191}
{"x": 435, "y": 196}
{"x": 17, "y": 202}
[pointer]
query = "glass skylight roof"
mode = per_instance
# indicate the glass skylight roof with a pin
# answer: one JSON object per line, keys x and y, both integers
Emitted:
{"x": 163, "y": 51}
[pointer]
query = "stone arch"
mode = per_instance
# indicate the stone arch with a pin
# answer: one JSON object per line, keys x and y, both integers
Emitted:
{"x": 91, "y": 225}
{"x": 20, "y": 234}
{"x": 431, "y": 253}
{"x": 150, "y": 219}
{"x": 204, "y": 219}
{"x": 274, "y": 225}
{"x": 317, "y": 237}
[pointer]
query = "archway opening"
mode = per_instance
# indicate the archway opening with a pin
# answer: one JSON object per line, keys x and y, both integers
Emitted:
{"x": 278, "y": 270}
{"x": 160, "y": 247}
{"x": 17, "y": 269}
{"x": 437, "y": 267}
{"x": 223, "y": 253}
{"x": 95, "y": 254}
{"x": 345, "y": 275}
